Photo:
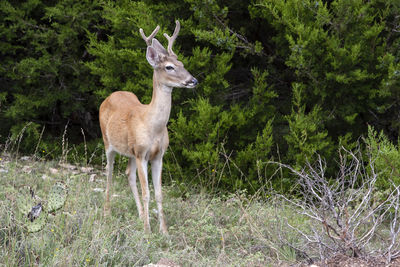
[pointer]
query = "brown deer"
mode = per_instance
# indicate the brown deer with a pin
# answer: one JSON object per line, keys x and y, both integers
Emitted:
{"x": 139, "y": 131}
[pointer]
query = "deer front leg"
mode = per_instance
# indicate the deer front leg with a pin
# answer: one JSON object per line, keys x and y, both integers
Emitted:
{"x": 110, "y": 154}
{"x": 131, "y": 171}
{"x": 156, "y": 169}
{"x": 141, "y": 164}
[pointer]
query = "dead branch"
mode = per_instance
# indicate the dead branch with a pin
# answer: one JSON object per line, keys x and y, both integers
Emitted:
{"x": 346, "y": 209}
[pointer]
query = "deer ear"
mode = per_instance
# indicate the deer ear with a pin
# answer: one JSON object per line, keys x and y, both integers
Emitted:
{"x": 158, "y": 46}
{"x": 152, "y": 56}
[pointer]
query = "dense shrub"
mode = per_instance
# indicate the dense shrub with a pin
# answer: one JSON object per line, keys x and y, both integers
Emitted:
{"x": 279, "y": 79}
{"x": 386, "y": 156}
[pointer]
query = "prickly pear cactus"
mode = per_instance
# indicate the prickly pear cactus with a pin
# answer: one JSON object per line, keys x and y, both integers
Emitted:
{"x": 37, "y": 224}
{"x": 25, "y": 202}
{"x": 57, "y": 197}
{"x": 28, "y": 207}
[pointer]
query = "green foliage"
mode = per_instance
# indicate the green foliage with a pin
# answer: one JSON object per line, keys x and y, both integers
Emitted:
{"x": 279, "y": 79}
{"x": 204, "y": 140}
{"x": 306, "y": 137}
{"x": 386, "y": 155}
{"x": 337, "y": 49}
{"x": 44, "y": 80}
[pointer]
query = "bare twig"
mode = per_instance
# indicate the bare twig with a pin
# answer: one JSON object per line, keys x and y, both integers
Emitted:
{"x": 347, "y": 210}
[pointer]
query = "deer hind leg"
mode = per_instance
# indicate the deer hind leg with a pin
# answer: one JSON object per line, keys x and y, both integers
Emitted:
{"x": 110, "y": 154}
{"x": 156, "y": 168}
{"x": 131, "y": 172}
{"x": 141, "y": 164}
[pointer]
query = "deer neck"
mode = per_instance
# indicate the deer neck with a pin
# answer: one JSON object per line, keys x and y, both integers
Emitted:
{"x": 160, "y": 105}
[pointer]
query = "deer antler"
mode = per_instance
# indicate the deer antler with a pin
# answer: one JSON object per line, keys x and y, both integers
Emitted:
{"x": 172, "y": 39}
{"x": 150, "y": 38}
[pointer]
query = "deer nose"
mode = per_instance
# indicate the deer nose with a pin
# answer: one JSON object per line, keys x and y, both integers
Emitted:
{"x": 193, "y": 82}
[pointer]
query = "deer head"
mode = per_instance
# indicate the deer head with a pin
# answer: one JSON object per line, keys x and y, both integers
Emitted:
{"x": 168, "y": 70}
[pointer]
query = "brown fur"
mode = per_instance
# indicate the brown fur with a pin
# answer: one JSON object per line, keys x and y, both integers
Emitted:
{"x": 139, "y": 131}
{"x": 123, "y": 122}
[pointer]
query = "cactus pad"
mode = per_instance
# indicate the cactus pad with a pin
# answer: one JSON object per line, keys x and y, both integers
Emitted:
{"x": 37, "y": 224}
{"x": 33, "y": 215}
{"x": 25, "y": 202}
{"x": 57, "y": 197}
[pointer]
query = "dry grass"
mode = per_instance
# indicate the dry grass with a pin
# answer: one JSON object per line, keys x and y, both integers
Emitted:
{"x": 204, "y": 230}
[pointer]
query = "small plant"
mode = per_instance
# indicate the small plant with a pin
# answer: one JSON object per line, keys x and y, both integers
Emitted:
{"x": 57, "y": 197}
{"x": 35, "y": 215}
{"x": 387, "y": 155}
{"x": 348, "y": 214}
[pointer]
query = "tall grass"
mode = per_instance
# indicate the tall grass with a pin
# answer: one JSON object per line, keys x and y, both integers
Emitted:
{"x": 204, "y": 230}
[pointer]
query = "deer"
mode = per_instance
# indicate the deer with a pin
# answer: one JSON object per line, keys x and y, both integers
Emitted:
{"x": 139, "y": 131}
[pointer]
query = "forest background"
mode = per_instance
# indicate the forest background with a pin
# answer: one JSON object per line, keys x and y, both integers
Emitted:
{"x": 280, "y": 80}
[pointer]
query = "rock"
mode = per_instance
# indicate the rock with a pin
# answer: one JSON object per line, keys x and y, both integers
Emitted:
{"x": 67, "y": 166}
{"x": 98, "y": 189}
{"x": 163, "y": 262}
{"x": 92, "y": 178}
{"x": 86, "y": 169}
{"x": 27, "y": 169}
{"x": 53, "y": 170}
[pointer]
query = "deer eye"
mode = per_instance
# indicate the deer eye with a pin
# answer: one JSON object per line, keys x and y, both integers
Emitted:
{"x": 169, "y": 68}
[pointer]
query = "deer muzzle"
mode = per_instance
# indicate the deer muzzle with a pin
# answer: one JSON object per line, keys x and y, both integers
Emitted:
{"x": 191, "y": 83}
